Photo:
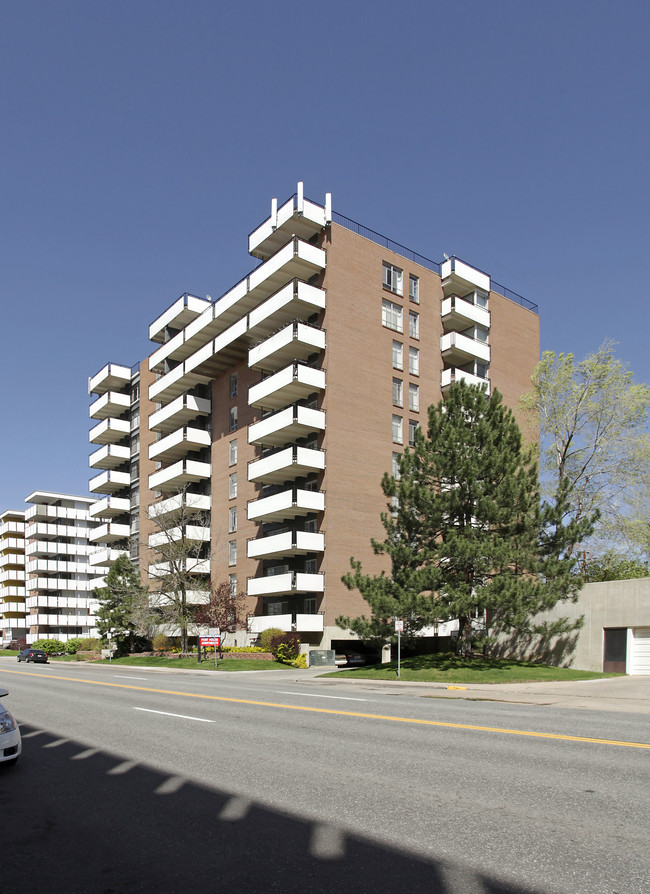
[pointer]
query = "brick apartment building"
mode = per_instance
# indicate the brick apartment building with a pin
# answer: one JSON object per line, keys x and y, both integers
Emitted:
{"x": 278, "y": 407}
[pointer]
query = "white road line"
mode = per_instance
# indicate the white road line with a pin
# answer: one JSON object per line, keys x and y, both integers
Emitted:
{"x": 129, "y": 677}
{"x": 169, "y": 714}
{"x": 343, "y": 698}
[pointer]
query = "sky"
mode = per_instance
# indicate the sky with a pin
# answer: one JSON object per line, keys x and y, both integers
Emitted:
{"x": 142, "y": 140}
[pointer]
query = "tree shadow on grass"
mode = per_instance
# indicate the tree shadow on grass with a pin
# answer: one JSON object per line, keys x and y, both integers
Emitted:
{"x": 83, "y": 821}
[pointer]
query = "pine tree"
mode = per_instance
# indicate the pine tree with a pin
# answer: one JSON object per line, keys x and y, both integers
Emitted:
{"x": 124, "y": 602}
{"x": 465, "y": 534}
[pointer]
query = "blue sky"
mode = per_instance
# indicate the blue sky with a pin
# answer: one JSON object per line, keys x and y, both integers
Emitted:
{"x": 143, "y": 140}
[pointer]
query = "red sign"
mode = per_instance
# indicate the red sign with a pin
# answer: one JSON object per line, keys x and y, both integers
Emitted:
{"x": 213, "y": 641}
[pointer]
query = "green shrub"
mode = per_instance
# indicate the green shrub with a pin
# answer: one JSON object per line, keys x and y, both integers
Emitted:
{"x": 267, "y": 636}
{"x": 286, "y": 647}
{"x": 300, "y": 661}
{"x": 73, "y": 645}
{"x": 161, "y": 643}
{"x": 50, "y": 646}
{"x": 90, "y": 644}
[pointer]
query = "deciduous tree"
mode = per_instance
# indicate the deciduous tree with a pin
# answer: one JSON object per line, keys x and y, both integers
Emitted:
{"x": 225, "y": 609}
{"x": 179, "y": 553}
{"x": 593, "y": 427}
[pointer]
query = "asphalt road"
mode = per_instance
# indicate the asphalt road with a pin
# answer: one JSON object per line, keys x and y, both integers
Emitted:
{"x": 136, "y": 781}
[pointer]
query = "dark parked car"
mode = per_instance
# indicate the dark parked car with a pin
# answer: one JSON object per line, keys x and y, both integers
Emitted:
{"x": 33, "y": 655}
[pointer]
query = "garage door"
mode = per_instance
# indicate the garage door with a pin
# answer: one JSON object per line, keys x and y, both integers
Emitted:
{"x": 640, "y": 663}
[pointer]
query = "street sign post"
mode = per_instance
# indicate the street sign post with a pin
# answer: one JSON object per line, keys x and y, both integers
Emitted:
{"x": 214, "y": 641}
{"x": 399, "y": 627}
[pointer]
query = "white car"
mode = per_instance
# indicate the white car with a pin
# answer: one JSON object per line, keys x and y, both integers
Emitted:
{"x": 10, "y": 741}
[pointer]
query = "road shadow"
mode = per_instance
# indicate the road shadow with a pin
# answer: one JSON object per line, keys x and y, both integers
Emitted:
{"x": 83, "y": 821}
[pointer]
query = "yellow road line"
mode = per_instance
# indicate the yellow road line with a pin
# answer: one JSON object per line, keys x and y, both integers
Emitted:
{"x": 417, "y": 722}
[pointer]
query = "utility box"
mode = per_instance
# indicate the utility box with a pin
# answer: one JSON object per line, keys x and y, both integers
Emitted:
{"x": 322, "y": 658}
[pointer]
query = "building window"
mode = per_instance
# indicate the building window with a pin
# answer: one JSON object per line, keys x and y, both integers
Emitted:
{"x": 310, "y": 605}
{"x": 392, "y": 278}
{"x": 413, "y": 427}
{"x": 482, "y": 370}
{"x": 135, "y": 392}
{"x": 392, "y": 315}
{"x": 481, "y": 334}
{"x": 232, "y": 552}
{"x": 414, "y": 361}
{"x": 310, "y": 566}
{"x": 232, "y": 581}
{"x": 414, "y": 398}
{"x": 398, "y": 355}
{"x": 232, "y": 390}
{"x": 232, "y": 486}
{"x": 414, "y": 324}
{"x": 414, "y": 288}
{"x": 232, "y": 453}
{"x": 233, "y": 419}
{"x": 398, "y": 393}
{"x": 311, "y": 526}
{"x": 397, "y": 429}
{"x": 232, "y": 519}
{"x": 396, "y": 472}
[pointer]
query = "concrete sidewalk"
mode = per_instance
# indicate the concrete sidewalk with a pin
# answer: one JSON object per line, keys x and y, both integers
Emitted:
{"x": 630, "y": 694}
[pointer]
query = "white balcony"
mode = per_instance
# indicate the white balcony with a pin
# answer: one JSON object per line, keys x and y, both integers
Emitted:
{"x": 308, "y": 623}
{"x": 110, "y": 507}
{"x": 52, "y": 531}
{"x": 295, "y": 382}
{"x": 15, "y": 576}
{"x": 12, "y": 593}
{"x": 12, "y": 608}
{"x": 110, "y": 456}
{"x": 15, "y": 543}
{"x": 109, "y": 533}
{"x": 12, "y": 561}
{"x": 179, "y": 444}
{"x": 110, "y": 404}
{"x": 37, "y": 548}
{"x": 160, "y": 570}
{"x": 184, "y": 503}
{"x": 109, "y": 431}
{"x": 12, "y": 528}
{"x": 285, "y": 544}
{"x": 192, "y": 533}
{"x": 295, "y": 301}
{"x": 220, "y": 353}
{"x": 57, "y": 584}
{"x": 174, "y": 383}
{"x": 59, "y": 620}
{"x": 178, "y": 475}
{"x": 459, "y": 278}
{"x": 178, "y": 315}
{"x": 57, "y": 566}
{"x": 298, "y": 216}
{"x": 112, "y": 377}
{"x": 458, "y": 375}
{"x": 43, "y": 601}
{"x": 287, "y": 504}
{"x": 179, "y": 412}
{"x": 45, "y": 510}
{"x": 286, "y": 425}
{"x": 459, "y": 314}
{"x": 258, "y": 623}
{"x": 286, "y": 464}
{"x": 109, "y": 482}
{"x": 297, "y": 341}
{"x": 285, "y": 584}
{"x": 105, "y": 557}
{"x": 460, "y": 348}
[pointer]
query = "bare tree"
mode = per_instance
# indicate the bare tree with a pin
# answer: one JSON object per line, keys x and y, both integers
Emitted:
{"x": 179, "y": 560}
{"x": 225, "y": 608}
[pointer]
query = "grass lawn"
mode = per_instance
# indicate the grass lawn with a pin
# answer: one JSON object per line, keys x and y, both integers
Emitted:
{"x": 455, "y": 669}
{"x": 225, "y": 664}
